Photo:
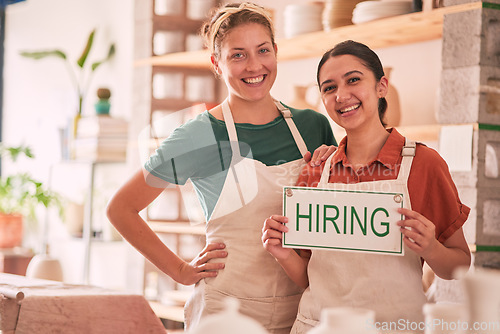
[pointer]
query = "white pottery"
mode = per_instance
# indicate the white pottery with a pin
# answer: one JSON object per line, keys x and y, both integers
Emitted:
{"x": 43, "y": 266}
{"x": 229, "y": 321}
{"x": 345, "y": 320}
{"x": 393, "y": 113}
{"x": 482, "y": 287}
{"x": 445, "y": 318}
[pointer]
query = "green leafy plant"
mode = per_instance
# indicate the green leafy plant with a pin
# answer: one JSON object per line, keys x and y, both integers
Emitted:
{"x": 20, "y": 193}
{"x": 81, "y": 75}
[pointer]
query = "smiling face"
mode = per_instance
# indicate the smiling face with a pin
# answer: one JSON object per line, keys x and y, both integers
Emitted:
{"x": 247, "y": 62}
{"x": 350, "y": 92}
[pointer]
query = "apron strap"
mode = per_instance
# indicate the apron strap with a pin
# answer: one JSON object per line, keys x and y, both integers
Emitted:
{"x": 231, "y": 129}
{"x": 408, "y": 153}
{"x": 235, "y": 147}
{"x": 287, "y": 115}
{"x": 325, "y": 174}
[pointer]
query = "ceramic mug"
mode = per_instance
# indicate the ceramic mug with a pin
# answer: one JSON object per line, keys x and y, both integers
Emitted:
{"x": 444, "y": 318}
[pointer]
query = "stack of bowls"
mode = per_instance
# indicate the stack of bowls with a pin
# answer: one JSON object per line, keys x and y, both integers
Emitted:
{"x": 302, "y": 18}
{"x": 338, "y": 13}
{"x": 371, "y": 10}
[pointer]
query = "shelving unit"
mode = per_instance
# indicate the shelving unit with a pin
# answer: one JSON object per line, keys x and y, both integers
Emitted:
{"x": 172, "y": 86}
{"x": 386, "y": 32}
{"x": 175, "y": 27}
{"x": 175, "y": 88}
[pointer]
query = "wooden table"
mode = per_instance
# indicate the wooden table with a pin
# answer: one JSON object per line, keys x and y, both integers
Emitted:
{"x": 30, "y": 306}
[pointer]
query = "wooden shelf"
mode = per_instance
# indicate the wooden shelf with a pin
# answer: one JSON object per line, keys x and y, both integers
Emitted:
{"x": 421, "y": 133}
{"x": 176, "y": 23}
{"x": 392, "y": 31}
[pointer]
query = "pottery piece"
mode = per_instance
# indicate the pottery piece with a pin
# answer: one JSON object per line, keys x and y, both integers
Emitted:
{"x": 444, "y": 318}
{"x": 393, "y": 113}
{"x": 345, "y": 320}
{"x": 43, "y": 266}
{"x": 229, "y": 321}
{"x": 482, "y": 288}
{"x": 300, "y": 98}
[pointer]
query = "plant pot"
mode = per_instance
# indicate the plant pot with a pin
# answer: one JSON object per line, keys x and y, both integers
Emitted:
{"x": 11, "y": 230}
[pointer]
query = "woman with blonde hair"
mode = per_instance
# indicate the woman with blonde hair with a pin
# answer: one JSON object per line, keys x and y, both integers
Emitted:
{"x": 238, "y": 156}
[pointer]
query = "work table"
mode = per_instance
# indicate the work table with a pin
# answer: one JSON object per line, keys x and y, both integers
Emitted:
{"x": 40, "y": 306}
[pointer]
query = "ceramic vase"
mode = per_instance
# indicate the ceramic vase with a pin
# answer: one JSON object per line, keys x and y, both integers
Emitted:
{"x": 102, "y": 105}
{"x": 444, "y": 318}
{"x": 482, "y": 288}
{"x": 393, "y": 114}
{"x": 229, "y": 321}
{"x": 345, "y": 320}
{"x": 299, "y": 98}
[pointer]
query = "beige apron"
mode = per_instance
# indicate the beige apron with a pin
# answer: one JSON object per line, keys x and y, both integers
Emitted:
{"x": 252, "y": 192}
{"x": 390, "y": 285}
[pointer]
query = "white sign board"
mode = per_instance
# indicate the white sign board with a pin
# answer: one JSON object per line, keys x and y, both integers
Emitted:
{"x": 343, "y": 220}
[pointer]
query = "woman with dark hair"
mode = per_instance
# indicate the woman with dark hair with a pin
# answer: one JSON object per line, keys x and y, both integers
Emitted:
{"x": 238, "y": 155}
{"x": 353, "y": 89}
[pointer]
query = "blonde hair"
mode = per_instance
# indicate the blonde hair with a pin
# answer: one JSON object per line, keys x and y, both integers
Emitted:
{"x": 230, "y": 16}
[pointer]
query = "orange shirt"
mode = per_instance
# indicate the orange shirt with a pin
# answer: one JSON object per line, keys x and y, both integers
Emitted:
{"x": 432, "y": 190}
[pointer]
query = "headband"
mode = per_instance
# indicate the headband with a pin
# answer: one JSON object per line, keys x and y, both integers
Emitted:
{"x": 228, "y": 11}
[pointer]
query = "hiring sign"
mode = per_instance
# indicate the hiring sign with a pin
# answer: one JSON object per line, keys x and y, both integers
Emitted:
{"x": 343, "y": 220}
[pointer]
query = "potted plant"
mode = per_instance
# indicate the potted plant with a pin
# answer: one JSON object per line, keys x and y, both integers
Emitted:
{"x": 81, "y": 74}
{"x": 20, "y": 196}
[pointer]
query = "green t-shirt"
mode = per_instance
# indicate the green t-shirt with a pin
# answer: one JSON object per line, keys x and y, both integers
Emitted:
{"x": 199, "y": 150}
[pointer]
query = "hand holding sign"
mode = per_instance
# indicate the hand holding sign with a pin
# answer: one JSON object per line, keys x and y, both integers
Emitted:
{"x": 418, "y": 232}
{"x": 272, "y": 233}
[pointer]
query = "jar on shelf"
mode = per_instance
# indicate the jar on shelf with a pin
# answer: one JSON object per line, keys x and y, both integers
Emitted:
{"x": 393, "y": 114}
{"x": 300, "y": 98}
{"x": 102, "y": 105}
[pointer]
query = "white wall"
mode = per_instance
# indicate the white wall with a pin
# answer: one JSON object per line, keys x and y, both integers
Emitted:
{"x": 39, "y": 98}
{"x": 39, "y": 95}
